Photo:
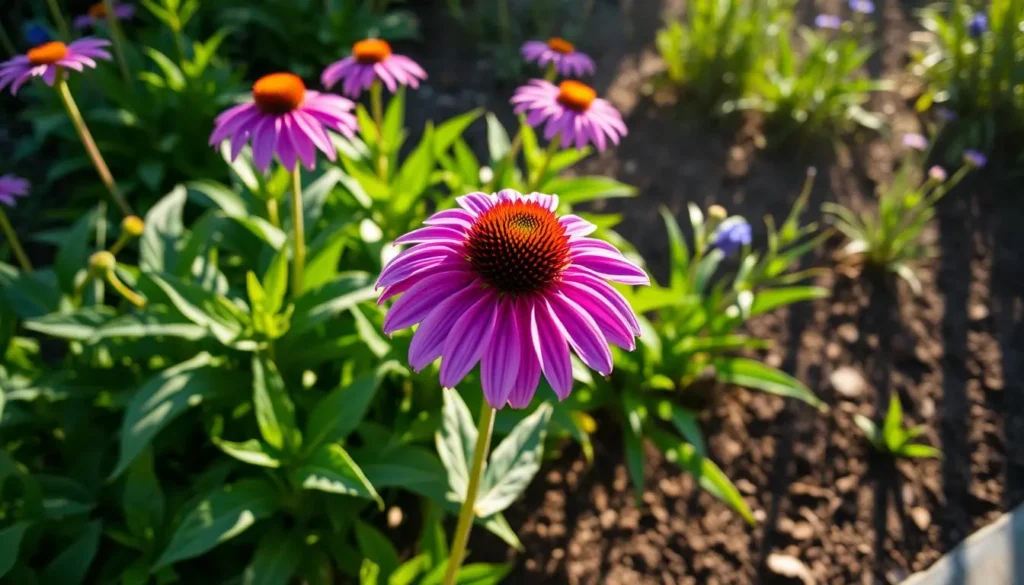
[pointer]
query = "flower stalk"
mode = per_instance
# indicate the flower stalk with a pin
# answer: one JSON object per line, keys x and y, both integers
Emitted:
{"x": 485, "y": 428}
{"x": 12, "y": 239}
{"x": 272, "y": 212}
{"x": 90, "y": 145}
{"x": 58, "y": 17}
{"x": 549, "y": 154}
{"x": 117, "y": 39}
{"x": 377, "y": 111}
{"x": 299, "y": 252}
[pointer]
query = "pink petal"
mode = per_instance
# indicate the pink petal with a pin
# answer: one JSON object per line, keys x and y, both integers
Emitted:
{"x": 500, "y": 365}
{"x": 583, "y": 333}
{"x": 467, "y": 340}
{"x": 429, "y": 340}
{"x": 423, "y": 297}
{"x": 551, "y": 348}
{"x": 612, "y": 267}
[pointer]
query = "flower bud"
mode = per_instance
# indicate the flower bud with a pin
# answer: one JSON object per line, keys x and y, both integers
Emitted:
{"x": 102, "y": 261}
{"x": 133, "y": 226}
{"x": 717, "y": 213}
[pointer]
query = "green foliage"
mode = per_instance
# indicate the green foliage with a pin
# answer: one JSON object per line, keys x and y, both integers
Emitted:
{"x": 976, "y": 78}
{"x": 894, "y": 437}
{"x": 890, "y": 238}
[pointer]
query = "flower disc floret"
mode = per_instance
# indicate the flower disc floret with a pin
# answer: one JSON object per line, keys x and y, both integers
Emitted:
{"x": 47, "y": 53}
{"x": 279, "y": 93}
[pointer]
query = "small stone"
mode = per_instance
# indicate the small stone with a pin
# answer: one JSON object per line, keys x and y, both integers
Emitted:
{"x": 802, "y": 531}
{"x": 978, "y": 312}
{"x": 394, "y": 517}
{"x": 848, "y": 382}
{"x": 833, "y": 350}
{"x": 760, "y": 515}
{"x": 848, "y": 333}
{"x": 846, "y": 484}
{"x": 608, "y": 518}
{"x": 791, "y": 567}
{"x": 922, "y": 517}
{"x": 746, "y": 487}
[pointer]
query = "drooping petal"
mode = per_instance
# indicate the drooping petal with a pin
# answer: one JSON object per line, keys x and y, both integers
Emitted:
{"x": 613, "y": 324}
{"x": 467, "y": 340}
{"x": 419, "y": 300}
{"x": 499, "y": 367}
{"x": 615, "y": 269}
{"x": 551, "y": 348}
{"x": 429, "y": 340}
{"x": 439, "y": 233}
{"x": 582, "y": 332}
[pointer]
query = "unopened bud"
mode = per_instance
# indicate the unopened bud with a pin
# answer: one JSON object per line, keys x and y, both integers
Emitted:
{"x": 101, "y": 262}
{"x": 717, "y": 213}
{"x": 133, "y": 226}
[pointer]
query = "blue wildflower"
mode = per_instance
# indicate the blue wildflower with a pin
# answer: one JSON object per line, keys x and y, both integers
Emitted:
{"x": 829, "y": 21}
{"x": 36, "y": 34}
{"x": 977, "y": 25}
{"x": 862, "y": 6}
{"x": 975, "y": 158}
{"x": 732, "y": 235}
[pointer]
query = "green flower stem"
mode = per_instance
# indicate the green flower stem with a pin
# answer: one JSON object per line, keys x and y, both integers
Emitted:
{"x": 484, "y": 427}
{"x": 117, "y": 39}
{"x": 506, "y": 161}
{"x": 121, "y": 242}
{"x": 272, "y": 213}
{"x": 299, "y": 252}
{"x": 548, "y": 155}
{"x": 377, "y": 111}
{"x": 123, "y": 290}
{"x": 58, "y": 17}
{"x": 12, "y": 238}
{"x": 90, "y": 145}
{"x": 551, "y": 74}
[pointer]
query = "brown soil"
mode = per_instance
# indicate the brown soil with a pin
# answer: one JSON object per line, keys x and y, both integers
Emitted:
{"x": 820, "y": 494}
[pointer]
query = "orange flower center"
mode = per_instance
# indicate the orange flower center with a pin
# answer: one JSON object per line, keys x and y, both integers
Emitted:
{"x": 48, "y": 53}
{"x": 561, "y": 45}
{"x": 518, "y": 247}
{"x": 278, "y": 93}
{"x": 575, "y": 95}
{"x": 371, "y": 51}
{"x": 98, "y": 10}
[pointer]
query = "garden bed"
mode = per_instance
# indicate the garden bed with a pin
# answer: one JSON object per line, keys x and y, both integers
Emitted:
{"x": 820, "y": 493}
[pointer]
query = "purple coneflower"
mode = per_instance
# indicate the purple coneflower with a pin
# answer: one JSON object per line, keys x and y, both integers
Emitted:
{"x": 503, "y": 280}
{"x": 559, "y": 54}
{"x": 733, "y": 234}
{"x": 371, "y": 60}
{"x": 975, "y": 158}
{"x": 915, "y": 142}
{"x": 937, "y": 174}
{"x": 829, "y": 21}
{"x": 287, "y": 120}
{"x": 46, "y": 59}
{"x": 11, "y": 187}
{"x": 977, "y": 25}
{"x": 571, "y": 111}
{"x": 97, "y": 14}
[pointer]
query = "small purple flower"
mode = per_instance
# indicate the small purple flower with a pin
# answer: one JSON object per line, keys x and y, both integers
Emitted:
{"x": 862, "y": 6}
{"x": 733, "y": 234}
{"x": 11, "y": 187}
{"x": 828, "y": 21}
{"x": 97, "y": 14}
{"x": 371, "y": 60}
{"x": 974, "y": 158}
{"x": 977, "y": 25}
{"x": 937, "y": 174}
{"x": 44, "y": 61}
{"x": 561, "y": 54}
{"x": 570, "y": 110}
{"x": 916, "y": 142}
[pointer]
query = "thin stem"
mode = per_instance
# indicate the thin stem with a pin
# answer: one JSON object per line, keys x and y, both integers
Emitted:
{"x": 5, "y": 41}
{"x": 377, "y": 111}
{"x": 124, "y": 291}
{"x": 117, "y": 39}
{"x": 299, "y": 255}
{"x": 506, "y": 162}
{"x": 272, "y": 214}
{"x": 551, "y": 73}
{"x": 58, "y": 17}
{"x": 484, "y": 428}
{"x": 12, "y": 238}
{"x": 120, "y": 243}
{"x": 90, "y": 145}
{"x": 548, "y": 155}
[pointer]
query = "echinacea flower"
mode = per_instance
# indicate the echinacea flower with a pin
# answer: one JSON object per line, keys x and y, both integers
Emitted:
{"x": 559, "y": 53}
{"x": 975, "y": 158}
{"x": 287, "y": 120}
{"x": 371, "y": 60}
{"x": 11, "y": 187}
{"x": 862, "y": 6}
{"x": 733, "y": 234}
{"x": 505, "y": 281}
{"x": 977, "y": 25}
{"x": 97, "y": 14}
{"x": 937, "y": 174}
{"x": 915, "y": 142}
{"x": 829, "y": 21}
{"x": 570, "y": 110}
{"x": 46, "y": 59}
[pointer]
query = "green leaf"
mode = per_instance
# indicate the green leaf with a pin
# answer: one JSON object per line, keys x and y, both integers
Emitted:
{"x": 253, "y": 452}
{"x": 498, "y": 143}
{"x": 142, "y": 498}
{"x": 276, "y": 558}
{"x": 414, "y": 176}
{"x": 151, "y": 323}
{"x": 338, "y": 413}
{"x": 275, "y": 282}
{"x": 753, "y": 374}
{"x": 204, "y": 308}
{"x": 376, "y": 547}
{"x": 73, "y": 255}
{"x": 770, "y": 299}
{"x": 161, "y": 399}
{"x": 10, "y": 544}
{"x": 514, "y": 463}
{"x": 222, "y": 515}
{"x": 869, "y": 428}
{"x": 223, "y": 197}
{"x": 919, "y": 451}
{"x": 315, "y": 195}
{"x": 331, "y": 469}
{"x": 456, "y": 441}
{"x": 475, "y": 574}
{"x": 161, "y": 240}
{"x": 708, "y": 475}
{"x": 688, "y": 426}
{"x": 394, "y": 119}
{"x": 275, "y": 412}
{"x": 71, "y": 565}
{"x": 635, "y": 462}
{"x": 407, "y": 573}
{"x": 448, "y": 131}
{"x": 576, "y": 190}
{"x": 892, "y": 427}
{"x": 327, "y": 302}
{"x": 79, "y": 325}
{"x": 679, "y": 253}
{"x": 369, "y": 573}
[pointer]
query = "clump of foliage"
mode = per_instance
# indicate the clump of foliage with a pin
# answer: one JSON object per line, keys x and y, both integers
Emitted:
{"x": 894, "y": 437}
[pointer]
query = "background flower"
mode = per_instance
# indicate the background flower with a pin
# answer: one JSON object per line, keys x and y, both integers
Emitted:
{"x": 97, "y": 14}
{"x": 12, "y": 186}
{"x": 733, "y": 234}
{"x": 505, "y": 281}
{"x": 862, "y": 6}
{"x": 829, "y": 21}
{"x": 560, "y": 53}
{"x": 44, "y": 60}
{"x": 571, "y": 110}
{"x": 372, "y": 59}
{"x": 915, "y": 141}
{"x": 977, "y": 25}
{"x": 975, "y": 158}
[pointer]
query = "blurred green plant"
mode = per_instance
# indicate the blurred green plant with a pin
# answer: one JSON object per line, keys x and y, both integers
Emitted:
{"x": 894, "y": 437}
{"x": 889, "y": 239}
{"x": 971, "y": 62}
